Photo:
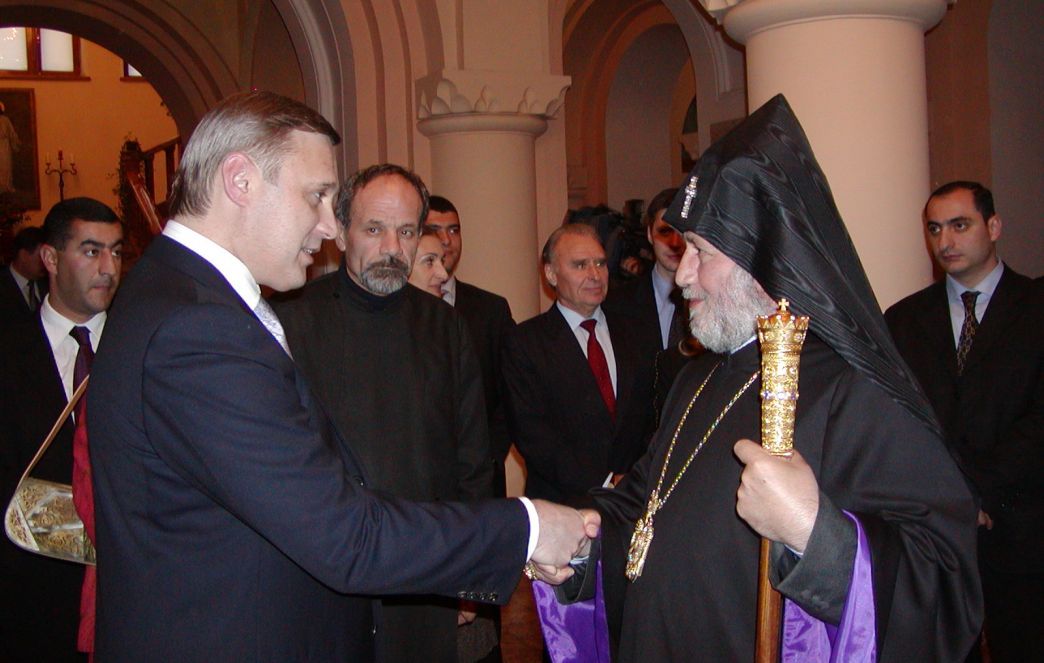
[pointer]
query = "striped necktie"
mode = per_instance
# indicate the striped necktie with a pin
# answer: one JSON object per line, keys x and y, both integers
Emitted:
{"x": 968, "y": 329}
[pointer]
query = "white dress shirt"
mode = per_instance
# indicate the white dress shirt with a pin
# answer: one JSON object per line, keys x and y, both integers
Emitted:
{"x": 664, "y": 306}
{"x": 232, "y": 268}
{"x": 449, "y": 291}
{"x": 573, "y": 319}
{"x": 985, "y": 288}
{"x": 23, "y": 284}
{"x": 64, "y": 348}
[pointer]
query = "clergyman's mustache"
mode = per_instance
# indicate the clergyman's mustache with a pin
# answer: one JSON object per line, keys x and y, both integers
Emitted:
{"x": 385, "y": 276}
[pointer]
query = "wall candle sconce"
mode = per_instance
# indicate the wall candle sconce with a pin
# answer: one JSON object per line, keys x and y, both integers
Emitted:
{"x": 61, "y": 170}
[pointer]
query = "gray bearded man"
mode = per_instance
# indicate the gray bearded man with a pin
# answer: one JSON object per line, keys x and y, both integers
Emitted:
{"x": 874, "y": 528}
{"x": 395, "y": 366}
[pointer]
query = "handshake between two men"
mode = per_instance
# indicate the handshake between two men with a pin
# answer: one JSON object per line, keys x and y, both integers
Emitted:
{"x": 565, "y": 536}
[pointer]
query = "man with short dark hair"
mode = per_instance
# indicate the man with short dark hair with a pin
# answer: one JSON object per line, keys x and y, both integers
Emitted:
{"x": 489, "y": 322}
{"x": 579, "y": 397}
{"x": 648, "y": 299}
{"x": 81, "y": 252}
{"x": 394, "y": 366}
{"x": 652, "y": 301}
{"x": 232, "y": 519}
{"x": 973, "y": 341}
{"x": 23, "y": 282}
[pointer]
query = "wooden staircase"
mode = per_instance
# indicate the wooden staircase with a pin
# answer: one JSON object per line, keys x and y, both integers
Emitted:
{"x": 144, "y": 216}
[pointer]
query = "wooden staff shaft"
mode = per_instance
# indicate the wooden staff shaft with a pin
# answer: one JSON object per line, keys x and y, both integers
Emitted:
{"x": 770, "y": 612}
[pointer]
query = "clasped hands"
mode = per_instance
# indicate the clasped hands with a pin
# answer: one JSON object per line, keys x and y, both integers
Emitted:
{"x": 778, "y": 497}
{"x": 565, "y": 534}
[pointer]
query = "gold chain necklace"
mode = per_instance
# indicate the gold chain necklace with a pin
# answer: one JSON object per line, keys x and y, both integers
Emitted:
{"x": 643, "y": 529}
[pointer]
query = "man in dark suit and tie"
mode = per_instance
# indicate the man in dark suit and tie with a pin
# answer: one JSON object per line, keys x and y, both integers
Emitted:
{"x": 579, "y": 394}
{"x": 23, "y": 282}
{"x": 81, "y": 253}
{"x": 647, "y": 299}
{"x": 489, "y": 321}
{"x": 233, "y": 523}
{"x": 653, "y": 302}
{"x": 973, "y": 340}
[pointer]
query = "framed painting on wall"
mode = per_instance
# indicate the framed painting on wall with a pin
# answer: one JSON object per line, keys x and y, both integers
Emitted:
{"x": 19, "y": 169}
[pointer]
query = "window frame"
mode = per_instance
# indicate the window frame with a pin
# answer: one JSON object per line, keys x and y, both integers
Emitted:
{"x": 34, "y": 58}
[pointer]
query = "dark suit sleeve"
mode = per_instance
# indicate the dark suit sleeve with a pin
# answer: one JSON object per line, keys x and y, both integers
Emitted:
{"x": 474, "y": 471}
{"x": 531, "y": 415}
{"x": 225, "y": 408}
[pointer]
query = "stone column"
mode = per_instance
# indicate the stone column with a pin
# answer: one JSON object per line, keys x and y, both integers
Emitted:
{"x": 854, "y": 72}
{"x": 483, "y": 127}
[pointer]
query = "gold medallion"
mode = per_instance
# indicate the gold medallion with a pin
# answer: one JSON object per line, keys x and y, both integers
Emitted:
{"x": 641, "y": 538}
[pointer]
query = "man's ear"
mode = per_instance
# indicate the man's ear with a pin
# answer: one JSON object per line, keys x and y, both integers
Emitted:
{"x": 49, "y": 257}
{"x": 993, "y": 225}
{"x": 339, "y": 238}
{"x": 239, "y": 178}
{"x": 549, "y": 274}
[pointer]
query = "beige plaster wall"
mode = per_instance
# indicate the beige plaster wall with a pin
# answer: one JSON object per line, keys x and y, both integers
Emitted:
{"x": 90, "y": 120}
{"x": 639, "y": 150}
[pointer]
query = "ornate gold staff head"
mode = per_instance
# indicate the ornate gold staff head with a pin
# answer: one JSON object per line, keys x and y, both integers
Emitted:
{"x": 781, "y": 336}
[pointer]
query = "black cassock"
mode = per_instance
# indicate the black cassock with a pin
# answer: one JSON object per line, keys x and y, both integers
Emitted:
{"x": 695, "y": 600}
{"x": 399, "y": 378}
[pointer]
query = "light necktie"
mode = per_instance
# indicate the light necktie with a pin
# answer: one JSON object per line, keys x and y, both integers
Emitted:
{"x": 82, "y": 367}
{"x": 270, "y": 320}
{"x": 599, "y": 366}
{"x": 968, "y": 329}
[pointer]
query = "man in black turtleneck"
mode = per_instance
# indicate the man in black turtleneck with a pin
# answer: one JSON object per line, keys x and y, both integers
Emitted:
{"x": 394, "y": 367}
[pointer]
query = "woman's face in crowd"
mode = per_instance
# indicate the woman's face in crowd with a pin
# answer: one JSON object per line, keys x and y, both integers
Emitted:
{"x": 428, "y": 271}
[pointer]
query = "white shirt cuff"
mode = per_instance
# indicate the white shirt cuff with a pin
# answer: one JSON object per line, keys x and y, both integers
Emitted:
{"x": 534, "y": 526}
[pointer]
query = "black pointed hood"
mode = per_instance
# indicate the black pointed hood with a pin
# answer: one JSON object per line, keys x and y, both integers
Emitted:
{"x": 759, "y": 196}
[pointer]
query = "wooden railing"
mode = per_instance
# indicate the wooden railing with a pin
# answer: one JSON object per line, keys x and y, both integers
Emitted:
{"x": 171, "y": 155}
{"x": 143, "y": 215}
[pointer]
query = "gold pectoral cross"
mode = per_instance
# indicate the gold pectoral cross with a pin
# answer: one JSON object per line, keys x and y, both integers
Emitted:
{"x": 641, "y": 539}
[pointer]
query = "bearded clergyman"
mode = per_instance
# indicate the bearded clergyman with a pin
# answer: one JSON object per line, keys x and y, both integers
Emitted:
{"x": 873, "y": 528}
{"x": 395, "y": 369}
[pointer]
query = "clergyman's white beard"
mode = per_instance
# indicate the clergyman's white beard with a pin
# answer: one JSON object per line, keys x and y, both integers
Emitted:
{"x": 728, "y": 320}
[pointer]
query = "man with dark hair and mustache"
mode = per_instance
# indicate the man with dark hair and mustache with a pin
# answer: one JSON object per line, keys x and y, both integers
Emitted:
{"x": 394, "y": 366}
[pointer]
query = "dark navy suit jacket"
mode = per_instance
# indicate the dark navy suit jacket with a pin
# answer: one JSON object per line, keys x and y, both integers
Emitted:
{"x": 231, "y": 518}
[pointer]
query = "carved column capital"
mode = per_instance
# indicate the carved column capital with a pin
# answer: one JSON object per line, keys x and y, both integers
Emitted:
{"x": 456, "y": 91}
{"x": 743, "y": 18}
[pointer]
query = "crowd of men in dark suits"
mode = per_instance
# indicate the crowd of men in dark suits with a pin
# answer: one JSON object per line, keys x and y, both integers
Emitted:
{"x": 255, "y": 528}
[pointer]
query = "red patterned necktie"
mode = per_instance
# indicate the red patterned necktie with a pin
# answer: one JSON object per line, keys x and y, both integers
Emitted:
{"x": 968, "y": 329}
{"x": 83, "y": 492}
{"x": 599, "y": 366}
